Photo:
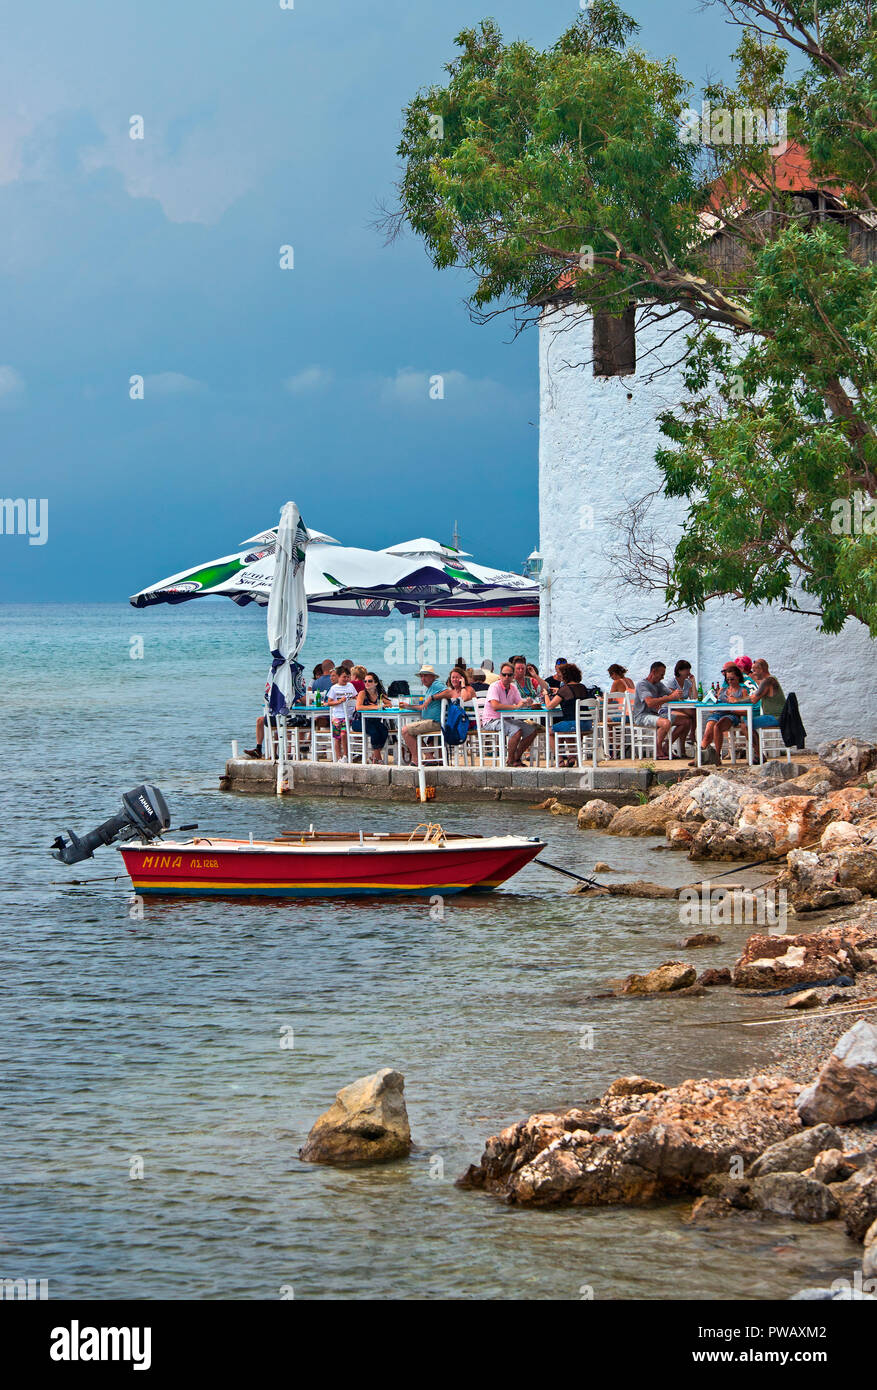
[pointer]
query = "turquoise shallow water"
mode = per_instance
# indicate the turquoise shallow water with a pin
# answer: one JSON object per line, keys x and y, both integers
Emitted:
{"x": 160, "y": 1039}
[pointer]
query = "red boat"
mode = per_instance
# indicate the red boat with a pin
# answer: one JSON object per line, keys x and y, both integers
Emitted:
{"x": 313, "y": 864}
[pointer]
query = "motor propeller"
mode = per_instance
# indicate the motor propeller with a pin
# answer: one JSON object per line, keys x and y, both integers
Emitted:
{"x": 144, "y": 815}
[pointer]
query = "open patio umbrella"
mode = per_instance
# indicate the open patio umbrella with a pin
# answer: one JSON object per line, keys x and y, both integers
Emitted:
{"x": 350, "y": 579}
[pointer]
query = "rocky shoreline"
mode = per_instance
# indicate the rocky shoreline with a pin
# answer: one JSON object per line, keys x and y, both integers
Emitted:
{"x": 799, "y": 1139}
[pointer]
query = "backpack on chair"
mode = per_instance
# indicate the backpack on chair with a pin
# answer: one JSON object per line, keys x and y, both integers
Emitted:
{"x": 456, "y": 725}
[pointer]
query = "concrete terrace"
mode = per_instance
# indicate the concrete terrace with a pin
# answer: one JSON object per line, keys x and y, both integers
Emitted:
{"x": 620, "y": 783}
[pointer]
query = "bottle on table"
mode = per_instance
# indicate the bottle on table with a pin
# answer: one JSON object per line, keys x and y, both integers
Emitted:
{"x": 700, "y": 690}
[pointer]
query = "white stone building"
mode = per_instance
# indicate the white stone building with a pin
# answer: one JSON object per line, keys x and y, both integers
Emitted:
{"x": 597, "y": 442}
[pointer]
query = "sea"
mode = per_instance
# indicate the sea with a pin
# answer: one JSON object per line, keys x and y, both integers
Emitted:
{"x": 162, "y": 1062}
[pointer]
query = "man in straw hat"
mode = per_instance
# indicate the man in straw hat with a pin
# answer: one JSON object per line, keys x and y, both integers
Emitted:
{"x": 430, "y": 708}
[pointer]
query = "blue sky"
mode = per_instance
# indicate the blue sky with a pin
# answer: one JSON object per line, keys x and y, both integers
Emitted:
{"x": 263, "y": 127}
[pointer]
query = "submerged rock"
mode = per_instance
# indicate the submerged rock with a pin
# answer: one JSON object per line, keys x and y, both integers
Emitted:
{"x": 846, "y": 1087}
{"x": 596, "y": 814}
{"x": 368, "y": 1123}
{"x": 634, "y": 1086}
{"x": 653, "y": 817}
{"x": 711, "y": 978}
{"x": 672, "y": 975}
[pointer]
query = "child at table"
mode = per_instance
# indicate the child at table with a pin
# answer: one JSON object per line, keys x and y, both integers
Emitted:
{"x": 341, "y": 700}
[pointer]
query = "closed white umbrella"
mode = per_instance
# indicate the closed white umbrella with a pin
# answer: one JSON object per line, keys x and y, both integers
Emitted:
{"x": 288, "y": 612}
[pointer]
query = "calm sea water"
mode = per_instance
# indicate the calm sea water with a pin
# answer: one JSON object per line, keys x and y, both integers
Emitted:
{"x": 160, "y": 1039}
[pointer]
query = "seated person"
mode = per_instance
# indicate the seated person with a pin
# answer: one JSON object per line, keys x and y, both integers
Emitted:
{"x": 504, "y": 695}
{"x": 323, "y": 680}
{"x": 566, "y": 695}
{"x": 745, "y": 665}
{"x": 770, "y": 693}
{"x": 298, "y": 722}
{"x": 649, "y": 695}
{"x": 540, "y": 686}
{"x": 732, "y": 692}
{"x": 556, "y": 681}
{"x": 357, "y": 677}
{"x": 458, "y": 686}
{"x": 431, "y": 709}
{"x": 478, "y": 682}
{"x": 530, "y": 688}
{"x": 341, "y": 700}
{"x": 683, "y": 721}
{"x": 620, "y": 680}
{"x": 372, "y": 696}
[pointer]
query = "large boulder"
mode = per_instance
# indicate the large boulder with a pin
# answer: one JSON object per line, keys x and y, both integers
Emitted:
{"x": 846, "y": 1087}
{"x": 596, "y": 814}
{"x": 869, "y": 1260}
{"x": 839, "y": 834}
{"x": 792, "y": 1194}
{"x": 848, "y": 758}
{"x": 789, "y": 820}
{"x": 811, "y": 881}
{"x": 368, "y": 1123}
{"x": 679, "y": 834}
{"x": 720, "y": 798}
{"x": 653, "y": 817}
{"x": 716, "y": 839}
{"x": 857, "y": 868}
{"x": 858, "y": 1202}
{"x": 672, "y": 975}
{"x": 777, "y": 962}
{"x": 796, "y": 1153}
{"x": 636, "y": 1148}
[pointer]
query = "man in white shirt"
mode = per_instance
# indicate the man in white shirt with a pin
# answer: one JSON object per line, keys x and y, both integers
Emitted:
{"x": 505, "y": 695}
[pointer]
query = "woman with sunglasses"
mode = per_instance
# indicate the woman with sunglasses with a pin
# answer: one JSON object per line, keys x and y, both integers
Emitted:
{"x": 372, "y": 696}
{"x": 732, "y": 692}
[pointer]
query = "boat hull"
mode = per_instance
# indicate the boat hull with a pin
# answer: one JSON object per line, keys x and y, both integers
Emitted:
{"x": 302, "y": 872}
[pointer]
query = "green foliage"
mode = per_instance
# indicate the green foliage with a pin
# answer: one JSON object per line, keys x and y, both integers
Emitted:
{"x": 524, "y": 160}
{"x": 543, "y": 153}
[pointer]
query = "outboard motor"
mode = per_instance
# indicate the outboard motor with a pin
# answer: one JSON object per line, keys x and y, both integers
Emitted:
{"x": 144, "y": 815}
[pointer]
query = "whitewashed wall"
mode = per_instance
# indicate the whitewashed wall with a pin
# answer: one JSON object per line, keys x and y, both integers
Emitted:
{"x": 597, "y": 443}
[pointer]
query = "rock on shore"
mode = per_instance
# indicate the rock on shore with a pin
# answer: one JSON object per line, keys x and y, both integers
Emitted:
{"x": 846, "y": 1087}
{"x": 634, "y": 1148}
{"x": 776, "y": 962}
{"x": 368, "y": 1123}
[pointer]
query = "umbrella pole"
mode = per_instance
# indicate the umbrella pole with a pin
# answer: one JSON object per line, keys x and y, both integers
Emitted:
{"x": 281, "y": 751}
{"x": 422, "y": 607}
